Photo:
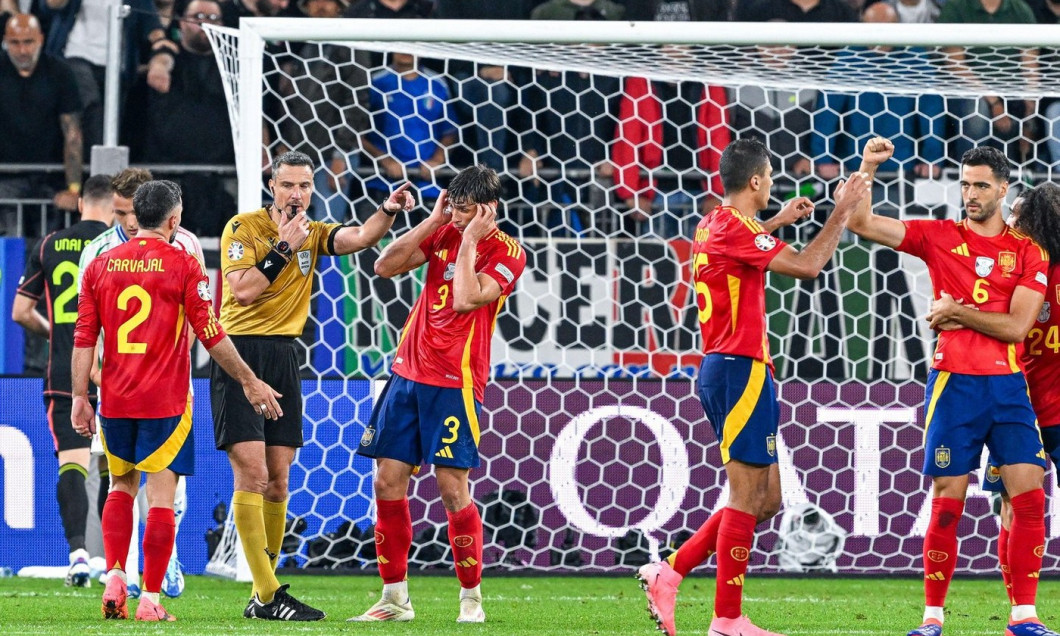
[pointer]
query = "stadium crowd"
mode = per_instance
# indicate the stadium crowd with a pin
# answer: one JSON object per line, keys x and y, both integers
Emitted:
{"x": 578, "y": 144}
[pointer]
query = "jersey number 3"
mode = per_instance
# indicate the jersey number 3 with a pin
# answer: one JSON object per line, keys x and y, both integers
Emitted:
{"x": 139, "y": 293}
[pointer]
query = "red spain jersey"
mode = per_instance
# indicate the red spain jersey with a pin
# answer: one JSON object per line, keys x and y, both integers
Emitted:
{"x": 730, "y": 253}
{"x": 142, "y": 294}
{"x": 440, "y": 347}
{"x": 1041, "y": 355}
{"x": 979, "y": 270}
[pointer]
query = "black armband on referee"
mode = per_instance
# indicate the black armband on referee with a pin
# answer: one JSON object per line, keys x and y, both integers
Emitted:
{"x": 272, "y": 264}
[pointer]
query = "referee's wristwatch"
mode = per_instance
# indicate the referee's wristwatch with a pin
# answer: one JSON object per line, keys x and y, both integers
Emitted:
{"x": 283, "y": 247}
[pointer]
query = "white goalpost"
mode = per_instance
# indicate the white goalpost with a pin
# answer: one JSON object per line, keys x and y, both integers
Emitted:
{"x": 596, "y": 453}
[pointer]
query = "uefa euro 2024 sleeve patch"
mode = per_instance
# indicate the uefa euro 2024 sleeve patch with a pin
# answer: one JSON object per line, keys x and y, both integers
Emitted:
{"x": 235, "y": 251}
{"x": 505, "y": 272}
{"x": 765, "y": 242}
{"x": 204, "y": 290}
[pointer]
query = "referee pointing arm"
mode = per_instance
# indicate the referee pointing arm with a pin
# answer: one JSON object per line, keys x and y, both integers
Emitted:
{"x": 268, "y": 257}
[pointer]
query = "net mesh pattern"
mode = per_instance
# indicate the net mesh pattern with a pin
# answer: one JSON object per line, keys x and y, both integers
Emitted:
{"x": 596, "y": 453}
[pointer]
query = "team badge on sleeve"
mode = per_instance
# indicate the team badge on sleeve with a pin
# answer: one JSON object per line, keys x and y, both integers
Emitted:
{"x": 235, "y": 251}
{"x": 204, "y": 290}
{"x": 984, "y": 265}
{"x": 1045, "y": 313}
{"x": 505, "y": 272}
{"x": 450, "y": 271}
{"x": 765, "y": 242}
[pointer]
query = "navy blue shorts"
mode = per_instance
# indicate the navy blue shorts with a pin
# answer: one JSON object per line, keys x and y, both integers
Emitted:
{"x": 740, "y": 399}
{"x": 1051, "y": 442}
{"x": 962, "y": 413}
{"x": 149, "y": 445}
{"x": 418, "y": 423}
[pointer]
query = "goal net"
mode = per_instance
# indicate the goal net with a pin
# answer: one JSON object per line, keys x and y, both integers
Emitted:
{"x": 596, "y": 453}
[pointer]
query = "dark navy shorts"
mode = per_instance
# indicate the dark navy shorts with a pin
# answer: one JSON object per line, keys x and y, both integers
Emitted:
{"x": 418, "y": 423}
{"x": 962, "y": 413}
{"x": 740, "y": 399}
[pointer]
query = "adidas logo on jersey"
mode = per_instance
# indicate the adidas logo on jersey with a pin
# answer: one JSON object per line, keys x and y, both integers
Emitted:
{"x": 445, "y": 452}
{"x": 961, "y": 250}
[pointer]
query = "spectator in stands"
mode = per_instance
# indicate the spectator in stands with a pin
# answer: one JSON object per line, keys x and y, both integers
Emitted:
{"x": 40, "y": 116}
{"x": 779, "y": 117}
{"x": 412, "y": 128}
{"x": 75, "y": 33}
{"x": 187, "y": 120}
{"x": 843, "y": 123}
{"x": 915, "y": 11}
{"x": 795, "y": 11}
{"x": 232, "y": 10}
{"x": 572, "y": 123}
{"x": 991, "y": 120}
{"x": 485, "y": 93}
{"x": 324, "y": 110}
{"x": 679, "y": 127}
{"x": 678, "y": 10}
{"x": 390, "y": 9}
{"x": 578, "y": 10}
{"x": 1048, "y": 12}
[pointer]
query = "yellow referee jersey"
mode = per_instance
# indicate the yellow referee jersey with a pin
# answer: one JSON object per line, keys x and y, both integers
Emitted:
{"x": 282, "y": 309}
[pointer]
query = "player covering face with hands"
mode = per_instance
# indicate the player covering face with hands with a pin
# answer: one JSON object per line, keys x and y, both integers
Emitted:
{"x": 431, "y": 406}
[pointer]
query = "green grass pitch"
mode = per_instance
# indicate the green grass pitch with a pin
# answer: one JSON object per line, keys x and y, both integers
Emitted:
{"x": 529, "y": 605}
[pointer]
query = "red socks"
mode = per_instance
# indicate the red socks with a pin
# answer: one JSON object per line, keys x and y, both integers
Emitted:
{"x": 1002, "y": 561}
{"x": 465, "y": 537}
{"x": 940, "y": 549}
{"x": 117, "y": 530}
{"x": 1026, "y": 545}
{"x": 699, "y": 548}
{"x": 393, "y": 538}
{"x": 735, "y": 536}
{"x": 159, "y": 532}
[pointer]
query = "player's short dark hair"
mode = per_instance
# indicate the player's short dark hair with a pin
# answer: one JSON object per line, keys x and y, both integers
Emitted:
{"x": 475, "y": 184}
{"x": 741, "y": 160}
{"x": 97, "y": 188}
{"x": 991, "y": 157}
{"x": 126, "y": 181}
{"x": 154, "y": 201}
{"x": 291, "y": 158}
{"x": 1039, "y": 217}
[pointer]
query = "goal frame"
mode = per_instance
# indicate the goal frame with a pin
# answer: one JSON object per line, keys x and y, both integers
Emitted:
{"x": 254, "y": 32}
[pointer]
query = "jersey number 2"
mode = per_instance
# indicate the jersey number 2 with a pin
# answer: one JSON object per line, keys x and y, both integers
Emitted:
{"x": 133, "y": 291}
{"x": 62, "y": 314}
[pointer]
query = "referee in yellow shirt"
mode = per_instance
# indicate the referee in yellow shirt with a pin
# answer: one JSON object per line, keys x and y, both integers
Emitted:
{"x": 268, "y": 257}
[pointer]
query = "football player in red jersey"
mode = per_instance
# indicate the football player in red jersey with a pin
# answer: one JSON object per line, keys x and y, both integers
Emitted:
{"x": 731, "y": 252}
{"x": 989, "y": 282}
{"x": 1037, "y": 214}
{"x": 429, "y": 410}
{"x": 142, "y": 294}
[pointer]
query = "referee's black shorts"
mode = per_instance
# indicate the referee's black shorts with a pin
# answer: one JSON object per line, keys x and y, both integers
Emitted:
{"x": 275, "y": 360}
